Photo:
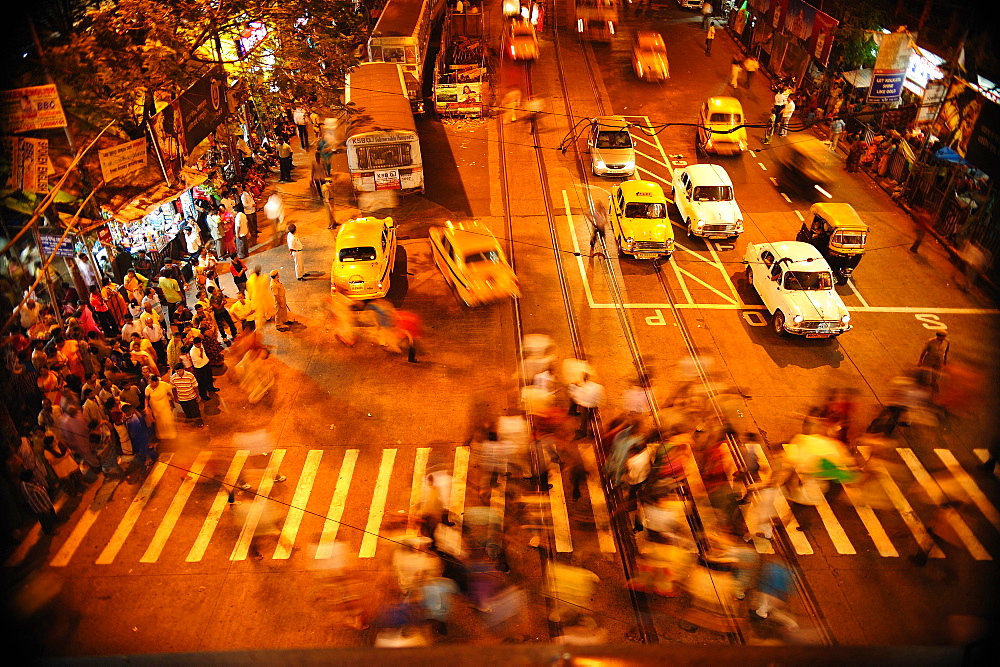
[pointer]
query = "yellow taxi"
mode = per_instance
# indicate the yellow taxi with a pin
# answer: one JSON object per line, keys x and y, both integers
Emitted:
{"x": 364, "y": 254}
{"x": 649, "y": 57}
{"x": 638, "y": 214}
{"x": 472, "y": 262}
{"x": 720, "y": 128}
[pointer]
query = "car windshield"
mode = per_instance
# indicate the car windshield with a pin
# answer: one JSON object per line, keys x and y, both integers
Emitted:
{"x": 650, "y": 211}
{"x": 713, "y": 193}
{"x": 614, "y": 139}
{"x": 362, "y": 254}
{"x": 729, "y": 119}
{"x": 480, "y": 257}
{"x": 808, "y": 280}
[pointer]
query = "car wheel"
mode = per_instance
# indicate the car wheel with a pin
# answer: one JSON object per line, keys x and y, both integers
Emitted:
{"x": 749, "y": 274}
{"x": 779, "y": 323}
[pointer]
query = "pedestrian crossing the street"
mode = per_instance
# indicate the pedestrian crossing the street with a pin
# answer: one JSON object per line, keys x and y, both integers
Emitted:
{"x": 181, "y": 510}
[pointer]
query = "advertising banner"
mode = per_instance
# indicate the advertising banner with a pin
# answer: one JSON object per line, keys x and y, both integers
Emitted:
{"x": 761, "y": 6}
{"x": 34, "y": 108}
{"x": 799, "y": 19}
{"x": 959, "y": 114}
{"x": 779, "y": 8}
{"x": 458, "y": 98}
{"x": 123, "y": 159}
{"x": 821, "y": 40}
{"x": 891, "y": 64}
{"x": 30, "y": 165}
{"x": 984, "y": 143}
{"x": 184, "y": 123}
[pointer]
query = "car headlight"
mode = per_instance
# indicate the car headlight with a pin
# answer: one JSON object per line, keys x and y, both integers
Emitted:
{"x": 599, "y": 164}
{"x": 629, "y": 241}
{"x": 630, "y": 165}
{"x": 739, "y": 223}
{"x": 846, "y": 318}
{"x": 797, "y": 319}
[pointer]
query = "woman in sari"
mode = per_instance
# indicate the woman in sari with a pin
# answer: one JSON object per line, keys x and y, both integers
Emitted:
{"x": 160, "y": 406}
{"x": 204, "y": 322}
{"x": 117, "y": 305}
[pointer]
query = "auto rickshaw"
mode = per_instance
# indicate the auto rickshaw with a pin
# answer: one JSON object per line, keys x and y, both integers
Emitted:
{"x": 837, "y": 231}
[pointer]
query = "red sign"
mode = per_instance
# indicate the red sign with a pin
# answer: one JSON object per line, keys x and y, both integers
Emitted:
{"x": 821, "y": 40}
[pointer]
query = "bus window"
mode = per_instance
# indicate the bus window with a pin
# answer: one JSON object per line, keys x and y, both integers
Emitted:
{"x": 383, "y": 156}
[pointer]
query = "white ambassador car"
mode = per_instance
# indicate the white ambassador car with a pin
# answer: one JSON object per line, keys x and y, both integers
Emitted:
{"x": 703, "y": 194}
{"x": 796, "y": 285}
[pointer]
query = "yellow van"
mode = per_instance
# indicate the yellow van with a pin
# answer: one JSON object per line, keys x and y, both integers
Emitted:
{"x": 718, "y": 117}
{"x": 638, "y": 211}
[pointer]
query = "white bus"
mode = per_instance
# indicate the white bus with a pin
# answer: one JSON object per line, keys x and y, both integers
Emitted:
{"x": 402, "y": 35}
{"x": 383, "y": 151}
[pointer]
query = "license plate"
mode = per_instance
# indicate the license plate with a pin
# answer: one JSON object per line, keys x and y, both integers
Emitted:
{"x": 717, "y": 237}
{"x": 818, "y": 335}
{"x": 387, "y": 180}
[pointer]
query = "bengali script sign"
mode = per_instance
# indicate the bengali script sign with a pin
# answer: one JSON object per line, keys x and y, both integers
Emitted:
{"x": 123, "y": 159}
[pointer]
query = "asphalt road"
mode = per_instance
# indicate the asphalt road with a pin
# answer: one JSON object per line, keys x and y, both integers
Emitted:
{"x": 160, "y": 564}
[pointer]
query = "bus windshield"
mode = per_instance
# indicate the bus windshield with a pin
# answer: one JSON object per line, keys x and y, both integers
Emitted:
{"x": 362, "y": 254}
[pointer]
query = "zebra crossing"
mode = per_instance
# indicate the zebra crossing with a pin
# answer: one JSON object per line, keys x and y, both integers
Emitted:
{"x": 350, "y": 495}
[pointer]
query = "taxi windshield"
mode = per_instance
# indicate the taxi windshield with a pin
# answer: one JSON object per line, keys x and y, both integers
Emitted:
{"x": 649, "y": 211}
{"x": 713, "y": 193}
{"x": 729, "y": 119}
{"x": 485, "y": 256}
{"x": 614, "y": 139}
{"x": 808, "y": 280}
{"x": 362, "y": 254}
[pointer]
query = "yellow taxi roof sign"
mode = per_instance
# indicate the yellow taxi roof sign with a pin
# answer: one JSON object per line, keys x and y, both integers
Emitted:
{"x": 645, "y": 190}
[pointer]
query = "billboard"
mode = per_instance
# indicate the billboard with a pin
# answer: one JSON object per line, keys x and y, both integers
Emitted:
{"x": 891, "y": 64}
{"x": 983, "y": 147}
{"x": 34, "y": 108}
{"x": 123, "y": 159}
{"x": 821, "y": 39}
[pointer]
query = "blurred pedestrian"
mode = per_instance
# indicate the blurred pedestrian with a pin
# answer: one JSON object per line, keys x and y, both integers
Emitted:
{"x": 409, "y": 327}
{"x": 511, "y": 103}
{"x": 585, "y": 396}
{"x": 139, "y": 435}
{"x": 326, "y": 196}
{"x": 160, "y": 407}
{"x": 597, "y": 216}
{"x": 202, "y": 369}
{"x": 284, "y": 161}
{"x": 385, "y": 323}
{"x": 709, "y": 38}
{"x": 295, "y": 250}
{"x": 934, "y": 356}
{"x": 751, "y": 65}
{"x": 38, "y": 500}
{"x": 706, "y": 15}
{"x": 259, "y": 296}
{"x": 774, "y": 587}
{"x": 735, "y": 68}
{"x": 342, "y": 308}
{"x": 854, "y": 155}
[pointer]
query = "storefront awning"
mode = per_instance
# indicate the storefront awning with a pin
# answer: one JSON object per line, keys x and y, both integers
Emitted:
{"x": 859, "y": 78}
{"x": 152, "y": 198}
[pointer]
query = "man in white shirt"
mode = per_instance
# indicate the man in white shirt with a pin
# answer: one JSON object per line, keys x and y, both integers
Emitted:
{"x": 301, "y": 118}
{"x": 241, "y": 229}
{"x": 202, "y": 370}
{"x": 192, "y": 240}
{"x": 250, "y": 208}
{"x": 28, "y": 311}
{"x": 295, "y": 250}
{"x": 130, "y": 327}
{"x": 786, "y": 115}
{"x": 584, "y": 397}
{"x": 153, "y": 332}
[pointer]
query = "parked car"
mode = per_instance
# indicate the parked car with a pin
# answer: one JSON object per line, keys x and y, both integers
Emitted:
{"x": 473, "y": 263}
{"x": 797, "y": 287}
{"x": 649, "y": 57}
{"x": 611, "y": 150}
{"x": 638, "y": 215}
{"x": 703, "y": 194}
{"x": 720, "y": 128}
{"x": 521, "y": 40}
{"x": 363, "y": 257}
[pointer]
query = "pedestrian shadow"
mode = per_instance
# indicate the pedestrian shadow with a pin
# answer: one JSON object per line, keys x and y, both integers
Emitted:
{"x": 399, "y": 281}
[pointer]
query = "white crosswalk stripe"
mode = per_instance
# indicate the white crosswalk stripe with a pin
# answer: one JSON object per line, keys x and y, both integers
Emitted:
{"x": 282, "y": 521}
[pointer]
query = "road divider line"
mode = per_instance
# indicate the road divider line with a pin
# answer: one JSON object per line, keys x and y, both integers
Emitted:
{"x": 598, "y": 503}
{"x": 559, "y": 511}
{"x": 680, "y": 280}
{"x": 975, "y": 494}
{"x": 704, "y": 284}
{"x": 286, "y": 540}
{"x": 785, "y": 197}
{"x": 857, "y": 293}
{"x": 135, "y": 508}
{"x": 799, "y": 215}
{"x": 72, "y": 543}
{"x": 417, "y": 490}
{"x": 169, "y": 521}
{"x": 762, "y": 166}
{"x": 773, "y": 180}
{"x": 650, "y": 157}
{"x": 201, "y": 542}
{"x": 902, "y": 505}
{"x": 376, "y": 511}
{"x": 725, "y": 274}
{"x": 459, "y": 479}
{"x": 336, "y": 512}
{"x": 939, "y": 498}
{"x": 659, "y": 146}
{"x": 649, "y": 173}
{"x": 249, "y": 529}
{"x": 576, "y": 249}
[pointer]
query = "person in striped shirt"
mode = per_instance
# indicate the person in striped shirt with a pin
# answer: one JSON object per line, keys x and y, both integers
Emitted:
{"x": 186, "y": 392}
{"x": 39, "y": 502}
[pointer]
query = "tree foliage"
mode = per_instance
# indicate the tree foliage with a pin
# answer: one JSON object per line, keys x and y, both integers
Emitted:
{"x": 854, "y": 47}
{"x": 111, "y": 58}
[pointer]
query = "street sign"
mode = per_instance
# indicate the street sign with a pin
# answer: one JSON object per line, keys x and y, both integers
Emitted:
{"x": 49, "y": 244}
